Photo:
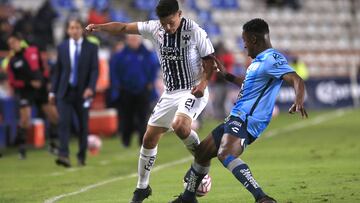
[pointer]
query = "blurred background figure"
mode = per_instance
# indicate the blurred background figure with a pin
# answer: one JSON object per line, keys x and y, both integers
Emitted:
{"x": 300, "y": 67}
{"x": 219, "y": 84}
{"x": 133, "y": 71}
{"x": 25, "y": 78}
{"x": 73, "y": 86}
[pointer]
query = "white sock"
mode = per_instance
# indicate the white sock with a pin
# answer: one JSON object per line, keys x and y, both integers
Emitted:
{"x": 192, "y": 141}
{"x": 146, "y": 162}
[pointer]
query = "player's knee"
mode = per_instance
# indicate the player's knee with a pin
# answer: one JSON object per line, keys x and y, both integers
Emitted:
{"x": 181, "y": 129}
{"x": 149, "y": 142}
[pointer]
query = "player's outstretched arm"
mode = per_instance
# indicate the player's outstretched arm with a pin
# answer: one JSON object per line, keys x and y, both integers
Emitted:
{"x": 298, "y": 84}
{"x": 114, "y": 28}
{"x": 237, "y": 80}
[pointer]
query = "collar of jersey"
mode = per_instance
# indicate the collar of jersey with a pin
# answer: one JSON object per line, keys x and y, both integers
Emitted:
{"x": 262, "y": 56}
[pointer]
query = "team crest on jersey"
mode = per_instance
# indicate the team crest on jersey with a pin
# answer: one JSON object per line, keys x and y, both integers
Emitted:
{"x": 185, "y": 39}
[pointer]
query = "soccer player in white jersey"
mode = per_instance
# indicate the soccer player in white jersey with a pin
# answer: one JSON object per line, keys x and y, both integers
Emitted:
{"x": 187, "y": 62}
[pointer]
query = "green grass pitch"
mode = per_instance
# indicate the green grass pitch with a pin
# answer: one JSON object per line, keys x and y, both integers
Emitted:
{"x": 295, "y": 161}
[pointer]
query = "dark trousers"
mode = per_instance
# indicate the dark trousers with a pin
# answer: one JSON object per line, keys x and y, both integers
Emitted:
{"x": 133, "y": 112}
{"x": 72, "y": 102}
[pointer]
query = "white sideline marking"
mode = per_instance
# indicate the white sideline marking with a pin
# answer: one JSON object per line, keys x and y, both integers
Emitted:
{"x": 132, "y": 175}
{"x": 310, "y": 122}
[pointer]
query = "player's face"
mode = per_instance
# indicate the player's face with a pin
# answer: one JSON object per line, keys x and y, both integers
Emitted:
{"x": 75, "y": 30}
{"x": 249, "y": 43}
{"x": 171, "y": 22}
{"x": 14, "y": 44}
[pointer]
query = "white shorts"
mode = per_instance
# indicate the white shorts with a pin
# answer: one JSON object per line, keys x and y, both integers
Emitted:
{"x": 180, "y": 101}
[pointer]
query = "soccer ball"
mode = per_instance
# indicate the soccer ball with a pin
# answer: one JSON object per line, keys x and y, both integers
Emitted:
{"x": 204, "y": 186}
{"x": 94, "y": 144}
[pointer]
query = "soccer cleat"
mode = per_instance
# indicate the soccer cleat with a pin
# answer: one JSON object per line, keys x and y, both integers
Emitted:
{"x": 180, "y": 199}
{"x": 141, "y": 194}
{"x": 187, "y": 176}
{"x": 266, "y": 199}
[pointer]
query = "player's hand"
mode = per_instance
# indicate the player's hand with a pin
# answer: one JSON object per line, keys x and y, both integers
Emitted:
{"x": 51, "y": 99}
{"x": 298, "y": 108}
{"x": 92, "y": 28}
{"x": 35, "y": 84}
{"x": 198, "y": 90}
{"x": 88, "y": 93}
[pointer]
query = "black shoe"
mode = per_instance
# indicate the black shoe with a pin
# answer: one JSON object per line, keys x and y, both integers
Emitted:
{"x": 63, "y": 161}
{"x": 22, "y": 153}
{"x": 141, "y": 194}
{"x": 180, "y": 199}
{"x": 266, "y": 199}
{"x": 81, "y": 163}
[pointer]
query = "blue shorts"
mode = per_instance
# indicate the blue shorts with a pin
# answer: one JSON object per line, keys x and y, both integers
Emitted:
{"x": 233, "y": 126}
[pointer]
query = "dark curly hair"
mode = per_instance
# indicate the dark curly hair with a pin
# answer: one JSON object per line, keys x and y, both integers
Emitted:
{"x": 256, "y": 26}
{"x": 166, "y": 8}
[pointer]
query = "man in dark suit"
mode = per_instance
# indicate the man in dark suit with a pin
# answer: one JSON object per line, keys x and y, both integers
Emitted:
{"x": 73, "y": 85}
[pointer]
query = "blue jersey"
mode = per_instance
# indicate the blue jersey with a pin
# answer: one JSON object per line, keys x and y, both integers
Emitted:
{"x": 258, "y": 93}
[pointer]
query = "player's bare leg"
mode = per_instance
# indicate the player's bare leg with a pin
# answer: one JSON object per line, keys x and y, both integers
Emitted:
{"x": 203, "y": 154}
{"x": 147, "y": 159}
{"x": 232, "y": 147}
{"x": 24, "y": 124}
{"x": 182, "y": 128}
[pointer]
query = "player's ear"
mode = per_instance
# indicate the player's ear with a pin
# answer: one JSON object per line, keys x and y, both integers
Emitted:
{"x": 253, "y": 39}
{"x": 180, "y": 13}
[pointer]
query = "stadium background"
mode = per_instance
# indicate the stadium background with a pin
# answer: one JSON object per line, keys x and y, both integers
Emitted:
{"x": 318, "y": 158}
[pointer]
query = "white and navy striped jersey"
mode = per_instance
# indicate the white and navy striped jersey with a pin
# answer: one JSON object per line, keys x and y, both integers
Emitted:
{"x": 180, "y": 53}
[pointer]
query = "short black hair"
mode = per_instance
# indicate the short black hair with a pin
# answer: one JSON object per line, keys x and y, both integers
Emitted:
{"x": 74, "y": 19}
{"x": 256, "y": 26}
{"x": 166, "y": 8}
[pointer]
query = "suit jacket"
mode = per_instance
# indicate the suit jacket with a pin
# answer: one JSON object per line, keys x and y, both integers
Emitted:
{"x": 87, "y": 69}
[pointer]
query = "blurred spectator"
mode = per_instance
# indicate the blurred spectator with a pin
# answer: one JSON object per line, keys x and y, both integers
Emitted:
{"x": 133, "y": 73}
{"x": 294, "y": 4}
{"x": 219, "y": 87}
{"x": 24, "y": 25}
{"x": 43, "y": 25}
{"x": 300, "y": 67}
{"x": 98, "y": 16}
{"x": 73, "y": 86}
{"x": 5, "y": 90}
{"x": 5, "y": 30}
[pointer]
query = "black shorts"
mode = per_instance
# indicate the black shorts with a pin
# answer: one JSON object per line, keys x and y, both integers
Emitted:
{"x": 29, "y": 97}
{"x": 25, "y": 97}
{"x": 41, "y": 96}
{"x": 234, "y": 126}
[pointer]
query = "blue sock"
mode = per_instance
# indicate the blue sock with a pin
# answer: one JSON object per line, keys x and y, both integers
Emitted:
{"x": 196, "y": 174}
{"x": 242, "y": 172}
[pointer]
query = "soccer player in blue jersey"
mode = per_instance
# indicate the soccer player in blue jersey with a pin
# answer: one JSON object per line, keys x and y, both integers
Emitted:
{"x": 250, "y": 115}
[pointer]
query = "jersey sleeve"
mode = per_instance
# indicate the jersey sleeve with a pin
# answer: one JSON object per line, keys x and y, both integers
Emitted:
{"x": 277, "y": 67}
{"x": 147, "y": 29}
{"x": 203, "y": 42}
